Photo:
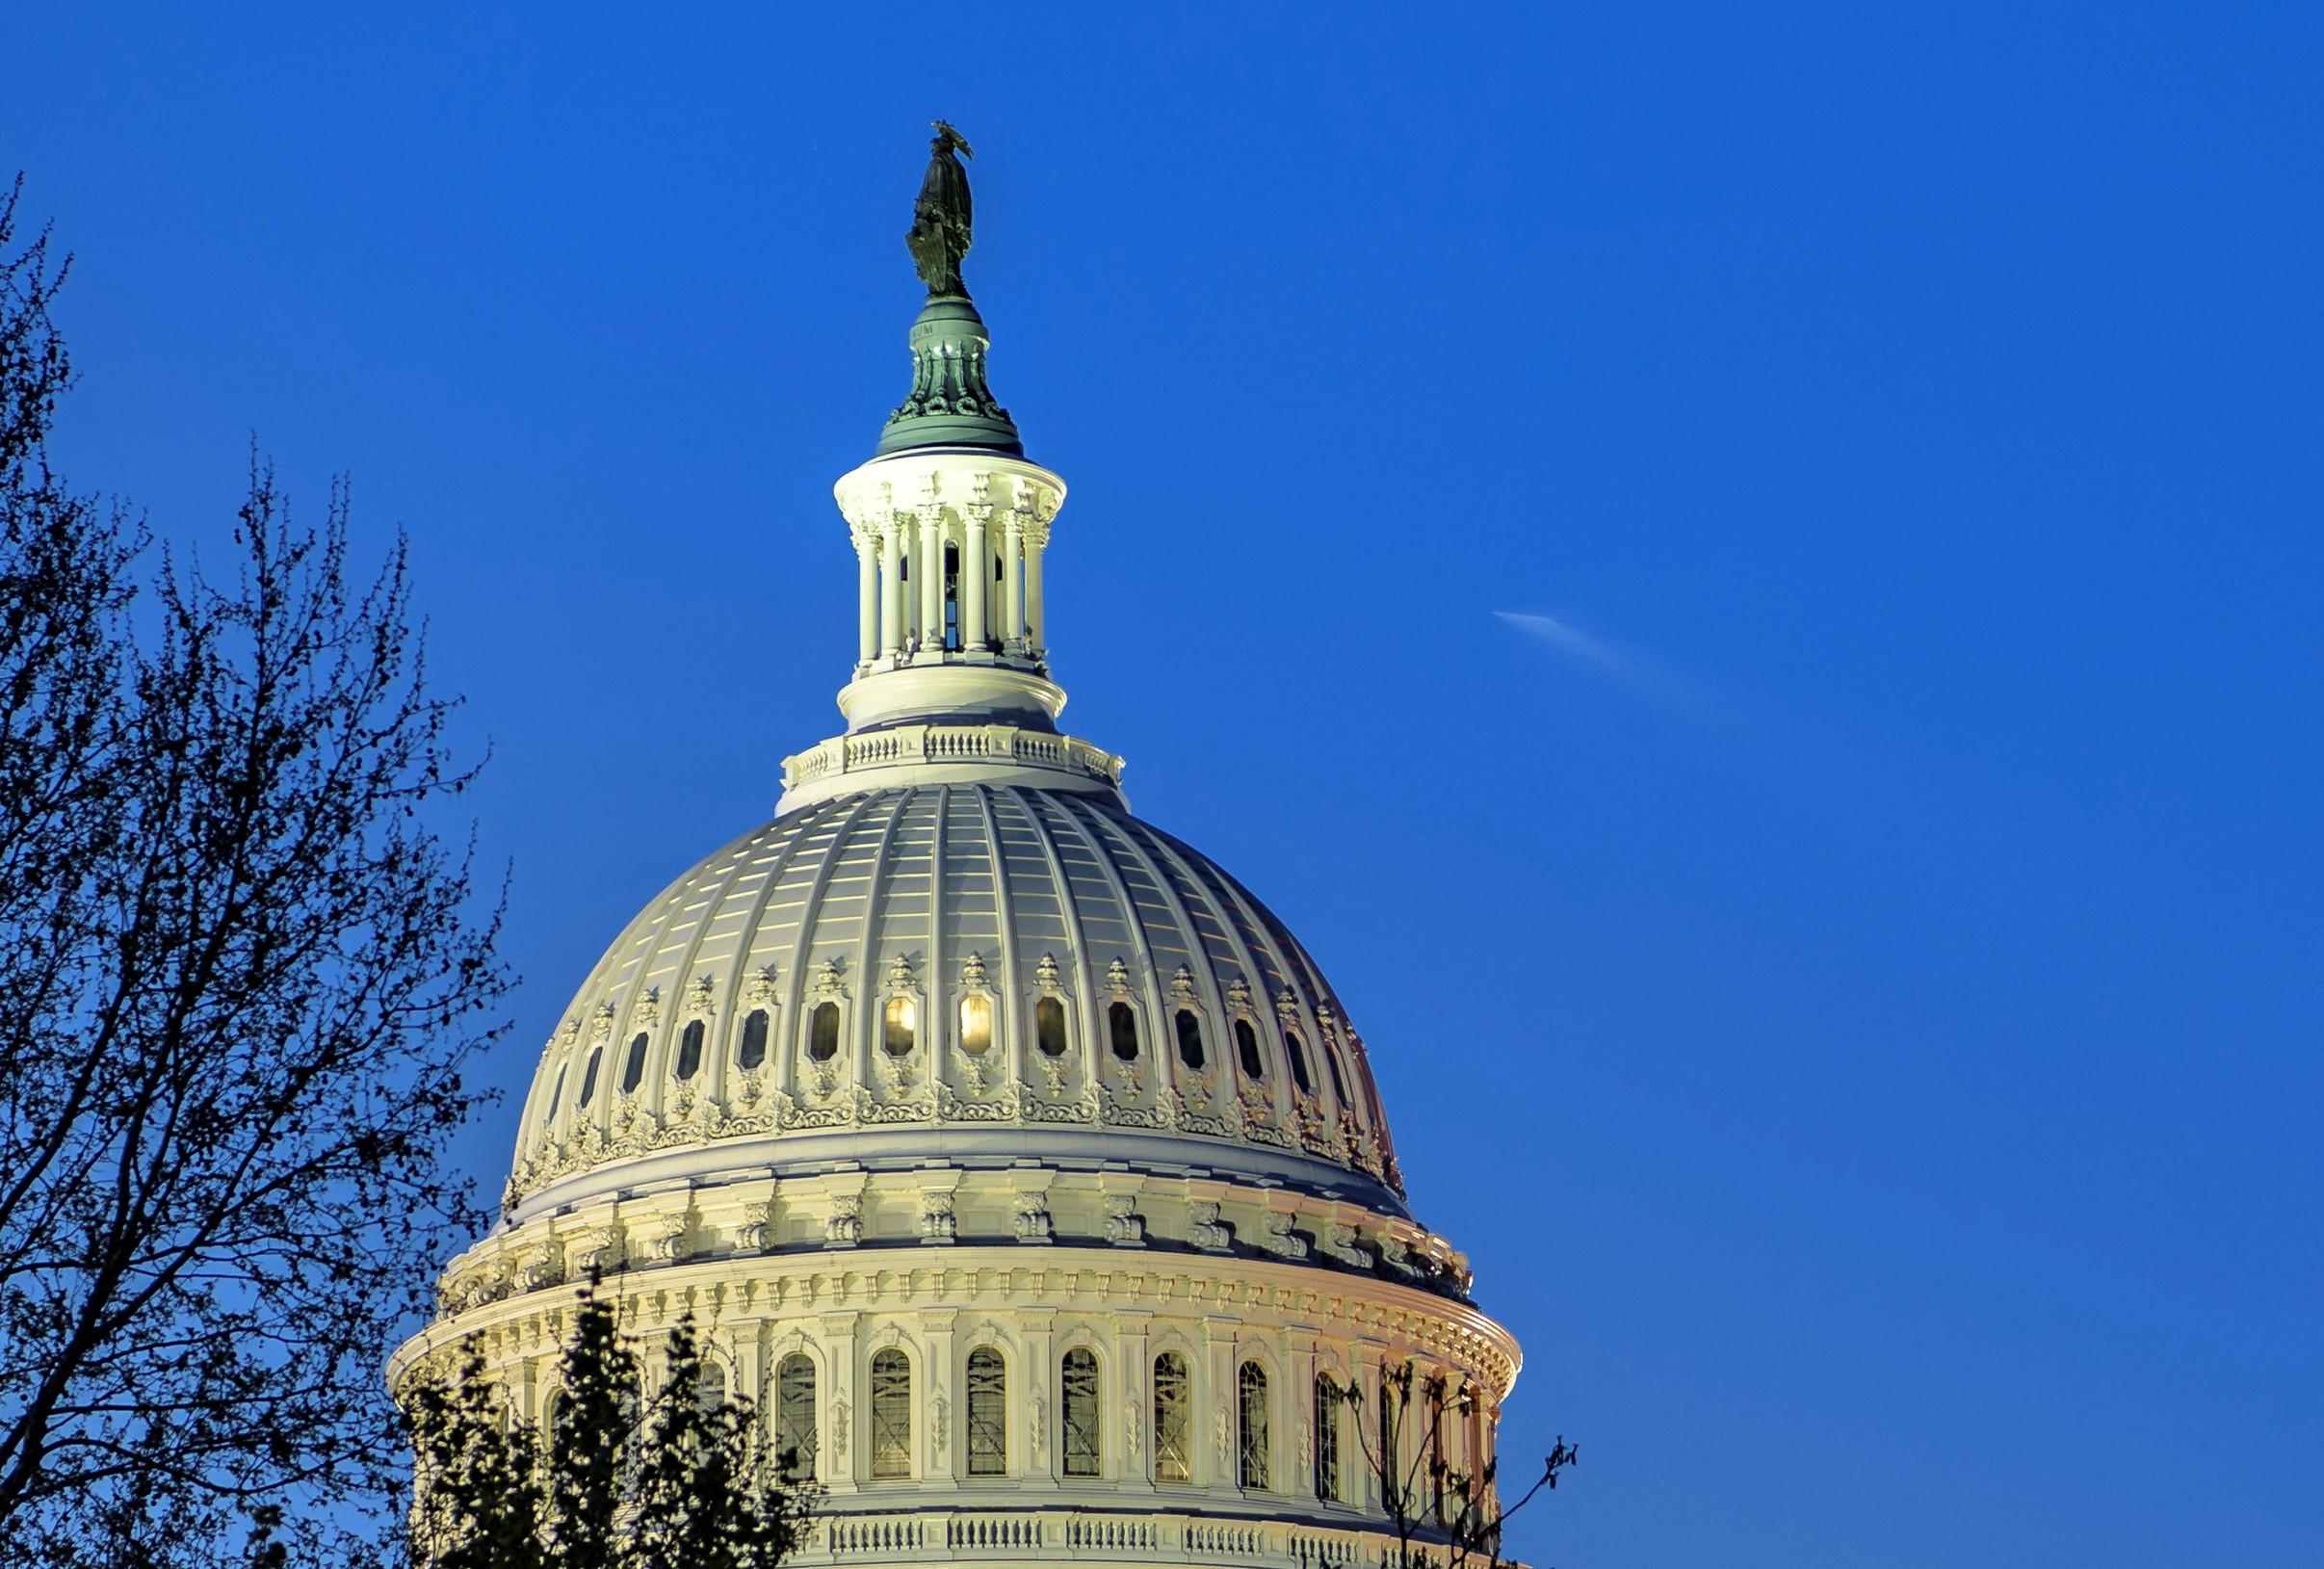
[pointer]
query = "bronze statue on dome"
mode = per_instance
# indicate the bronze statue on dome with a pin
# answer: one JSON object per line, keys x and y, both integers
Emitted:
{"x": 940, "y": 218}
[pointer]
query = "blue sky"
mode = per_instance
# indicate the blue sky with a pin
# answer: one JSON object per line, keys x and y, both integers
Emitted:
{"x": 1849, "y": 976}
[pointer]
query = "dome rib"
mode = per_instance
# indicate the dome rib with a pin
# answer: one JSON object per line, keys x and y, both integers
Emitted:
{"x": 1145, "y": 968}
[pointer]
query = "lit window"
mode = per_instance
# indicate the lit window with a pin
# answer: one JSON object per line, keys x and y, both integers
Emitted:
{"x": 633, "y": 1070}
{"x": 1121, "y": 1026}
{"x": 902, "y": 1023}
{"x": 1328, "y": 1438}
{"x": 1049, "y": 1025}
{"x": 794, "y": 1417}
{"x": 987, "y": 1413}
{"x": 891, "y": 1415}
{"x": 975, "y": 1025}
{"x": 823, "y": 1033}
{"x": 690, "y": 1049}
{"x": 1297, "y": 1050}
{"x": 1084, "y": 1429}
{"x": 1173, "y": 1420}
{"x": 753, "y": 1050}
{"x": 588, "y": 1076}
{"x": 1246, "y": 1047}
{"x": 1250, "y": 1389}
{"x": 1189, "y": 1039}
{"x": 555, "y": 1095}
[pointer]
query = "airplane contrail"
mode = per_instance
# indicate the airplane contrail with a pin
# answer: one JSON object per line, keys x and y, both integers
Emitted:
{"x": 1574, "y": 641}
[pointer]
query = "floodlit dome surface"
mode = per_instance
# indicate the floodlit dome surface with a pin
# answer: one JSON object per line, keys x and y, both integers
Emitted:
{"x": 983, "y": 973}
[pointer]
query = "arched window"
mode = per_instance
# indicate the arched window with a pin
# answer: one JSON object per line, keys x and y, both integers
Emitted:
{"x": 1250, "y": 1399}
{"x": 823, "y": 1033}
{"x": 1121, "y": 1028}
{"x": 711, "y": 1393}
{"x": 794, "y": 1417}
{"x": 633, "y": 1069}
{"x": 1328, "y": 1438}
{"x": 1189, "y": 1039}
{"x": 975, "y": 1024}
{"x": 1339, "y": 1085}
{"x": 891, "y": 1415}
{"x": 589, "y": 1077}
{"x": 1246, "y": 1047}
{"x": 1049, "y": 1026}
{"x": 1173, "y": 1420}
{"x": 1296, "y": 1049}
{"x": 753, "y": 1050}
{"x": 987, "y": 1413}
{"x": 902, "y": 1023}
{"x": 1084, "y": 1427}
{"x": 952, "y": 596}
{"x": 556, "y": 1094}
{"x": 690, "y": 1049}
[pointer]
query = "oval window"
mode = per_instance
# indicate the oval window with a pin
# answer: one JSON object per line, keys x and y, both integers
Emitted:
{"x": 1121, "y": 1028}
{"x": 823, "y": 1033}
{"x": 1189, "y": 1039}
{"x": 690, "y": 1049}
{"x": 1049, "y": 1025}
{"x": 753, "y": 1050}
{"x": 900, "y": 1026}
{"x": 633, "y": 1069}
{"x": 1246, "y": 1047}
{"x": 975, "y": 1025}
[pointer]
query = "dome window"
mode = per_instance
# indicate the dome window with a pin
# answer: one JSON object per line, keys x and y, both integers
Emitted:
{"x": 1085, "y": 1426}
{"x": 1173, "y": 1420}
{"x": 794, "y": 1417}
{"x": 555, "y": 1095}
{"x": 1250, "y": 1399}
{"x": 1297, "y": 1050}
{"x": 754, "y": 1051}
{"x": 1246, "y": 1047}
{"x": 1049, "y": 1026}
{"x": 1328, "y": 1438}
{"x": 690, "y": 1049}
{"x": 891, "y": 1415}
{"x": 823, "y": 1033}
{"x": 1189, "y": 1039}
{"x": 900, "y": 1026}
{"x": 588, "y": 1077}
{"x": 1121, "y": 1026}
{"x": 987, "y": 1413}
{"x": 1338, "y": 1084}
{"x": 633, "y": 1069}
{"x": 975, "y": 1024}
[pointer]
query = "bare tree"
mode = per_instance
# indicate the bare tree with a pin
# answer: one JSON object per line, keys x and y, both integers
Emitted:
{"x": 240, "y": 975}
{"x": 1444, "y": 1516}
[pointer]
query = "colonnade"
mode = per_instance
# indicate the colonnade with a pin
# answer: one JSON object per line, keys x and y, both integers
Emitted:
{"x": 907, "y": 602}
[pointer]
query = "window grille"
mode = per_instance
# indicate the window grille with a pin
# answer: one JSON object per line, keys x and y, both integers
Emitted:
{"x": 987, "y": 1413}
{"x": 1084, "y": 1428}
{"x": 711, "y": 1393}
{"x": 690, "y": 1049}
{"x": 634, "y": 1070}
{"x": 753, "y": 1050}
{"x": 1173, "y": 1420}
{"x": 891, "y": 1415}
{"x": 794, "y": 1417}
{"x": 1250, "y": 1388}
{"x": 1328, "y": 1438}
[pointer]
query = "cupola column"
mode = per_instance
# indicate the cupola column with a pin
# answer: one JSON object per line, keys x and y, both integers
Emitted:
{"x": 976, "y": 577}
{"x": 1012, "y": 577}
{"x": 1036, "y": 634}
{"x": 931, "y": 578}
{"x": 866, "y": 596}
{"x": 891, "y": 584}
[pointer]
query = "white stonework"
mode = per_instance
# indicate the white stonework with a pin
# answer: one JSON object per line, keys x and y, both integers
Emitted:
{"x": 956, "y": 1055}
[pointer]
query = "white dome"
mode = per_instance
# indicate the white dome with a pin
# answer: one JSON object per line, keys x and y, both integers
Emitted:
{"x": 1003, "y": 974}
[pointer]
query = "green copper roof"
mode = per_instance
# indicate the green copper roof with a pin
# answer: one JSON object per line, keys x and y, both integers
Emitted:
{"x": 950, "y": 405}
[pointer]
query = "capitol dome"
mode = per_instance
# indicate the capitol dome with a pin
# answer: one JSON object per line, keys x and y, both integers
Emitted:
{"x": 1012, "y": 1157}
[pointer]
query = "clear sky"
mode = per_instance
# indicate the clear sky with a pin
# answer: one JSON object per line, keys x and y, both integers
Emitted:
{"x": 1841, "y": 952}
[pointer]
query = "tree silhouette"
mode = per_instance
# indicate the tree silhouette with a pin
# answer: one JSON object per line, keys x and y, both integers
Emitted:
{"x": 1444, "y": 1517}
